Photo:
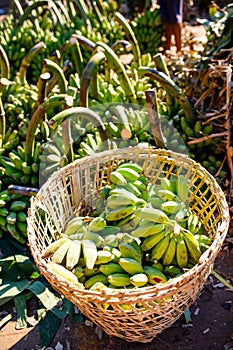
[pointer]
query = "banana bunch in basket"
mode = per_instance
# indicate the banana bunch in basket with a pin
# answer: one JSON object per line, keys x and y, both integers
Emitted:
{"x": 141, "y": 234}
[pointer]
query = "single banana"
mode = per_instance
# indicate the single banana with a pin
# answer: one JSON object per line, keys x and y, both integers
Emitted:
{"x": 73, "y": 254}
{"x": 160, "y": 248}
{"x": 147, "y": 228}
{"x": 111, "y": 268}
{"x": 93, "y": 236}
{"x": 89, "y": 250}
{"x": 152, "y": 214}
{"x": 64, "y": 273}
{"x": 103, "y": 257}
{"x": 167, "y": 195}
{"x": 100, "y": 277}
{"x": 131, "y": 165}
{"x": 139, "y": 279}
{"x": 74, "y": 226}
{"x": 117, "y": 178}
{"x": 120, "y": 213}
{"x": 181, "y": 252}
{"x": 172, "y": 270}
{"x": 129, "y": 251}
{"x": 192, "y": 244}
{"x": 182, "y": 188}
{"x": 171, "y": 207}
{"x": 170, "y": 252}
{"x": 131, "y": 266}
{"x": 97, "y": 224}
{"x": 129, "y": 174}
{"x": 154, "y": 275}
{"x": 119, "y": 279}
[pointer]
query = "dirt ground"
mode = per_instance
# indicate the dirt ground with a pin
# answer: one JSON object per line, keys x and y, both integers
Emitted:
{"x": 211, "y": 314}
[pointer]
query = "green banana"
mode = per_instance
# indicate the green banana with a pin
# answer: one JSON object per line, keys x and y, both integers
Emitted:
{"x": 119, "y": 279}
{"x": 171, "y": 207}
{"x": 146, "y": 229}
{"x": 131, "y": 266}
{"x": 172, "y": 271}
{"x": 75, "y": 225}
{"x": 100, "y": 277}
{"x": 103, "y": 257}
{"x": 154, "y": 275}
{"x": 167, "y": 195}
{"x": 117, "y": 178}
{"x": 152, "y": 214}
{"x": 127, "y": 250}
{"x": 129, "y": 174}
{"x": 97, "y": 224}
{"x": 92, "y": 236}
{"x": 182, "y": 188}
{"x": 120, "y": 213}
{"x": 131, "y": 165}
{"x": 111, "y": 268}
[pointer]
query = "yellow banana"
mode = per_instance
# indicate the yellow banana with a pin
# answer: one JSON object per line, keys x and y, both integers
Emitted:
{"x": 170, "y": 252}
{"x": 151, "y": 241}
{"x": 181, "y": 252}
{"x": 192, "y": 244}
{"x": 160, "y": 248}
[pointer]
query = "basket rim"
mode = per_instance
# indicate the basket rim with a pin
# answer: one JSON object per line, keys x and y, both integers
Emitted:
{"x": 207, "y": 258}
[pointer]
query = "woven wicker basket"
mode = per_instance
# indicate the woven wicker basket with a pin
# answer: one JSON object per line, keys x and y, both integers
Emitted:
{"x": 75, "y": 187}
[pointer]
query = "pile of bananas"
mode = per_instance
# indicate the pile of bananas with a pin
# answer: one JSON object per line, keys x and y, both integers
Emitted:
{"x": 139, "y": 234}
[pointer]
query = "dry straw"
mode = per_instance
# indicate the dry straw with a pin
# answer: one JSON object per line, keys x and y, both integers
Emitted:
{"x": 74, "y": 188}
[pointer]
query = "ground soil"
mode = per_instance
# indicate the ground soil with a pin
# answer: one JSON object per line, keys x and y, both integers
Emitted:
{"x": 212, "y": 319}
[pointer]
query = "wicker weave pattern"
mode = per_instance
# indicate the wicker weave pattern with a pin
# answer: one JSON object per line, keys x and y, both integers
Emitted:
{"x": 74, "y": 189}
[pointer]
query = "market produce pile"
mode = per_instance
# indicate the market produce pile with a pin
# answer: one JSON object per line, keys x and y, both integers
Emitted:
{"x": 65, "y": 93}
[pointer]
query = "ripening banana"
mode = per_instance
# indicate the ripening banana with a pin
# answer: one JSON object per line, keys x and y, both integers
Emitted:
{"x": 160, "y": 248}
{"x": 52, "y": 247}
{"x": 170, "y": 252}
{"x": 73, "y": 254}
{"x": 139, "y": 279}
{"x": 131, "y": 266}
{"x": 89, "y": 250}
{"x": 154, "y": 275}
{"x": 192, "y": 244}
{"x": 181, "y": 252}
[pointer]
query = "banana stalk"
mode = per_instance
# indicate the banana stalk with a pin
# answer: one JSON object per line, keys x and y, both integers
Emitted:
{"x": 116, "y": 64}
{"x": 170, "y": 87}
{"x": 27, "y": 60}
{"x": 85, "y": 42}
{"x": 52, "y": 67}
{"x": 154, "y": 118}
{"x": 79, "y": 112}
{"x": 130, "y": 35}
{"x": 2, "y": 123}
{"x": 65, "y": 67}
{"x": 73, "y": 4}
{"x": 50, "y": 103}
{"x": 87, "y": 76}
{"x": 4, "y": 64}
{"x": 76, "y": 54}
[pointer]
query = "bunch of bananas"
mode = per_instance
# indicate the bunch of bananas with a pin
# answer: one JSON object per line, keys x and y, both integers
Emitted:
{"x": 148, "y": 28}
{"x": 13, "y": 215}
{"x": 141, "y": 234}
